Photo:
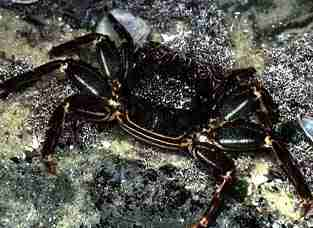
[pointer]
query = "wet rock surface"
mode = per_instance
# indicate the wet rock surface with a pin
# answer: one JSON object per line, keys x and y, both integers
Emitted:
{"x": 109, "y": 178}
{"x": 162, "y": 196}
{"x": 273, "y": 21}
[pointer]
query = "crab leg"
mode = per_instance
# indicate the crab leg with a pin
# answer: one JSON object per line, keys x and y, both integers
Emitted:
{"x": 222, "y": 166}
{"x": 211, "y": 213}
{"x": 114, "y": 58}
{"x": 87, "y": 107}
{"x": 114, "y": 49}
{"x": 245, "y": 136}
{"x": 82, "y": 74}
{"x": 109, "y": 56}
{"x": 306, "y": 123}
{"x": 223, "y": 170}
{"x": 287, "y": 163}
{"x": 27, "y": 79}
{"x": 265, "y": 106}
{"x": 74, "y": 45}
{"x": 246, "y": 93}
{"x": 152, "y": 138}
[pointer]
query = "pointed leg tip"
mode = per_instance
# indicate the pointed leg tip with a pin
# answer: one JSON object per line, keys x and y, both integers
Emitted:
{"x": 307, "y": 208}
{"x": 204, "y": 222}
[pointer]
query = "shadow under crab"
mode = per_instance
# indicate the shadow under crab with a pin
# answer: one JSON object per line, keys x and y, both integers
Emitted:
{"x": 165, "y": 100}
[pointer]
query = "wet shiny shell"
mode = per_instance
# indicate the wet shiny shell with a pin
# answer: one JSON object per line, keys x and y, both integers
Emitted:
{"x": 165, "y": 78}
{"x": 169, "y": 91}
{"x": 240, "y": 137}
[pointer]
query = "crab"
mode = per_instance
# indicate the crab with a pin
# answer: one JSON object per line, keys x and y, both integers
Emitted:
{"x": 164, "y": 99}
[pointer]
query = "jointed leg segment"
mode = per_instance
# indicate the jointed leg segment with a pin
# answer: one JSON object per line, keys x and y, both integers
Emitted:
{"x": 87, "y": 107}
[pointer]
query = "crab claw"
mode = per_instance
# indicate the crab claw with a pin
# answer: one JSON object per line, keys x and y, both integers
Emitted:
{"x": 306, "y": 123}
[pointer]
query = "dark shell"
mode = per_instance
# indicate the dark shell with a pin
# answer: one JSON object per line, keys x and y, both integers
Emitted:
{"x": 165, "y": 78}
{"x": 171, "y": 92}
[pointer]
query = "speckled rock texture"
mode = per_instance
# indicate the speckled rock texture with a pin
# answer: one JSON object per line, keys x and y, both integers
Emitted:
{"x": 108, "y": 179}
